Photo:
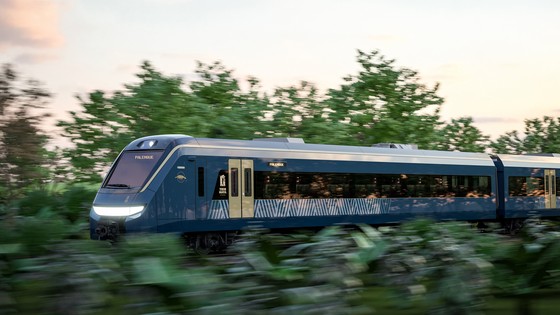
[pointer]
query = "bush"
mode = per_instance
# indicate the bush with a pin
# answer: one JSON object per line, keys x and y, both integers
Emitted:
{"x": 72, "y": 202}
{"x": 441, "y": 264}
{"x": 436, "y": 268}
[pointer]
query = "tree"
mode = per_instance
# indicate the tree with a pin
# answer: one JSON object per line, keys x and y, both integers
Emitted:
{"x": 23, "y": 156}
{"x": 215, "y": 106}
{"x": 383, "y": 103}
{"x": 229, "y": 111}
{"x": 461, "y": 135}
{"x": 298, "y": 111}
{"x": 540, "y": 136}
{"x": 106, "y": 124}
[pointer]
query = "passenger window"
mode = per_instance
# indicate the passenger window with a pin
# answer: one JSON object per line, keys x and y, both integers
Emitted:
{"x": 201, "y": 181}
{"x": 248, "y": 184}
{"x": 234, "y": 181}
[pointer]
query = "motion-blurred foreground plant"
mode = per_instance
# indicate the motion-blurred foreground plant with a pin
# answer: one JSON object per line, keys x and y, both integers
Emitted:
{"x": 417, "y": 268}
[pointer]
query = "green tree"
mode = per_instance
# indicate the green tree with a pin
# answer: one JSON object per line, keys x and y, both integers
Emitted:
{"x": 23, "y": 157}
{"x": 540, "y": 136}
{"x": 155, "y": 105}
{"x": 214, "y": 106}
{"x": 228, "y": 111}
{"x": 298, "y": 111}
{"x": 461, "y": 135}
{"x": 383, "y": 103}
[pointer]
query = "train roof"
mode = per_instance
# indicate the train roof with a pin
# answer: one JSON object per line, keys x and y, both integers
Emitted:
{"x": 287, "y": 148}
{"x": 551, "y": 160}
{"x": 295, "y": 149}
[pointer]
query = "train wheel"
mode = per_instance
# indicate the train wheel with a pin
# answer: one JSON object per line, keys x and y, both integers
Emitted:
{"x": 513, "y": 226}
{"x": 208, "y": 243}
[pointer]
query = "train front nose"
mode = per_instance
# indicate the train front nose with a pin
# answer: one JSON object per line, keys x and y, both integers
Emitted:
{"x": 108, "y": 230}
{"x": 107, "y": 223}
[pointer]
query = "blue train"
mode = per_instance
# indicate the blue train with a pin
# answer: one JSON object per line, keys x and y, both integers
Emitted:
{"x": 209, "y": 189}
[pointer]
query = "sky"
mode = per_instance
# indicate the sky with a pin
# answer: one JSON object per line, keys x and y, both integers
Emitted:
{"x": 497, "y": 61}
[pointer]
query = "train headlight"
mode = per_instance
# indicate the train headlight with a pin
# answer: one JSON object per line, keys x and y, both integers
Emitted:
{"x": 117, "y": 211}
{"x": 148, "y": 144}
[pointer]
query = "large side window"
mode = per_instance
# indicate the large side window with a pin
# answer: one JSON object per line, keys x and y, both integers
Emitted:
{"x": 525, "y": 186}
{"x": 284, "y": 185}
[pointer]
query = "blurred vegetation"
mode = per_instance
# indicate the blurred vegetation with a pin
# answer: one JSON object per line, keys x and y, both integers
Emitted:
{"x": 48, "y": 265}
{"x": 24, "y": 159}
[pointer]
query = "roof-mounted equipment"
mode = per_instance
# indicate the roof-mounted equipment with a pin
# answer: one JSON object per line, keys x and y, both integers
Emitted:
{"x": 396, "y": 146}
{"x": 286, "y": 140}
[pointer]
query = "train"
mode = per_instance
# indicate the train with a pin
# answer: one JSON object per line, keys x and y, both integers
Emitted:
{"x": 208, "y": 190}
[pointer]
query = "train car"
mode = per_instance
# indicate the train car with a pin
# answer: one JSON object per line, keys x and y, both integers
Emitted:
{"x": 208, "y": 189}
{"x": 529, "y": 186}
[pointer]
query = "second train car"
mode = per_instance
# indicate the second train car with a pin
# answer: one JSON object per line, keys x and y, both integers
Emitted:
{"x": 209, "y": 189}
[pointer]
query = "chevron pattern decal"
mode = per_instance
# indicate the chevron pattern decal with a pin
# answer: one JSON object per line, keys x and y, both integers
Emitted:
{"x": 282, "y": 208}
{"x": 272, "y": 208}
{"x": 218, "y": 210}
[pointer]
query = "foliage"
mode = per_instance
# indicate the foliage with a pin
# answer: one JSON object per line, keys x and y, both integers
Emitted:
{"x": 107, "y": 124}
{"x": 461, "y": 135}
{"x": 158, "y": 104}
{"x": 69, "y": 202}
{"x": 530, "y": 263}
{"x": 383, "y": 103}
{"x": 300, "y": 111}
{"x": 227, "y": 111}
{"x": 23, "y": 157}
{"x": 540, "y": 136}
{"x": 446, "y": 265}
{"x": 438, "y": 268}
{"x": 319, "y": 274}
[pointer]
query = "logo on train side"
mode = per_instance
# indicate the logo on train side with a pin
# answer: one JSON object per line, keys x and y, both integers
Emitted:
{"x": 223, "y": 185}
{"x": 180, "y": 177}
{"x": 277, "y": 164}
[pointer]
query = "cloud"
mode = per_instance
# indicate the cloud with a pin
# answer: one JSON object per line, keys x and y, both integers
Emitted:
{"x": 181, "y": 56}
{"x": 29, "y": 23}
{"x": 168, "y": 2}
{"x": 127, "y": 68}
{"x": 446, "y": 72}
{"x": 495, "y": 119}
{"x": 32, "y": 58}
{"x": 385, "y": 38}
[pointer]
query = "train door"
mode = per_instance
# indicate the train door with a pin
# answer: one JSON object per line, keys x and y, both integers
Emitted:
{"x": 240, "y": 192}
{"x": 550, "y": 189}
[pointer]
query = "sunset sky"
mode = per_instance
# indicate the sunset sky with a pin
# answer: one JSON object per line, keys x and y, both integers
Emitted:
{"x": 497, "y": 61}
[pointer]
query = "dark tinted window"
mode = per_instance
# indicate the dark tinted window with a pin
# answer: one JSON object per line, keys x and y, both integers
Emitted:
{"x": 526, "y": 186}
{"x": 201, "y": 181}
{"x": 283, "y": 185}
{"x": 132, "y": 169}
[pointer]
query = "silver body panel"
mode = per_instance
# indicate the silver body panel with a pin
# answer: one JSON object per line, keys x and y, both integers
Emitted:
{"x": 278, "y": 150}
{"x": 532, "y": 161}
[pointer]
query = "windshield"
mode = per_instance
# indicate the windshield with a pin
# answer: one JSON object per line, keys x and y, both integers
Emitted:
{"x": 132, "y": 169}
